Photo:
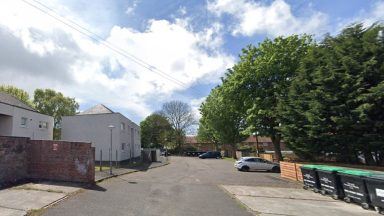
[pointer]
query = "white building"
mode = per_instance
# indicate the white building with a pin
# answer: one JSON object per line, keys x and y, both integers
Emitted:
{"x": 19, "y": 119}
{"x": 92, "y": 126}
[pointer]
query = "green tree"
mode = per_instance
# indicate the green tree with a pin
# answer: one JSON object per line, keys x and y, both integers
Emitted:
{"x": 334, "y": 104}
{"x": 50, "y": 102}
{"x": 259, "y": 81}
{"x": 17, "y": 93}
{"x": 206, "y": 134}
{"x": 155, "y": 131}
{"x": 220, "y": 117}
{"x": 372, "y": 117}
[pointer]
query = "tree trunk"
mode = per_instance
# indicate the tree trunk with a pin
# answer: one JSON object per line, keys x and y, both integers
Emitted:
{"x": 380, "y": 161}
{"x": 276, "y": 145}
{"x": 234, "y": 151}
{"x": 369, "y": 158}
{"x": 216, "y": 144}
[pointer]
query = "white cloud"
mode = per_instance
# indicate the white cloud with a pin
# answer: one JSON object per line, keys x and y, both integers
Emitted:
{"x": 275, "y": 19}
{"x": 43, "y": 53}
{"x": 369, "y": 16}
{"x": 375, "y": 14}
{"x": 195, "y": 104}
{"x": 182, "y": 10}
{"x": 131, "y": 9}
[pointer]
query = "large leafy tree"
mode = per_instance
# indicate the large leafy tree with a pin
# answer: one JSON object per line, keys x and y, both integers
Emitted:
{"x": 221, "y": 119}
{"x": 335, "y": 102}
{"x": 155, "y": 131}
{"x": 50, "y": 102}
{"x": 205, "y": 133}
{"x": 17, "y": 93}
{"x": 259, "y": 81}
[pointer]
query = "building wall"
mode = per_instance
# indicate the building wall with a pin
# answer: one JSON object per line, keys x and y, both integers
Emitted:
{"x": 22, "y": 158}
{"x": 11, "y": 123}
{"x": 94, "y": 129}
{"x": 131, "y": 137}
{"x": 61, "y": 161}
{"x": 6, "y": 125}
{"x": 131, "y": 141}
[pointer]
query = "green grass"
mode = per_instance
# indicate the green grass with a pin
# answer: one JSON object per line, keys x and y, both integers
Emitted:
{"x": 229, "y": 159}
{"x": 97, "y": 168}
{"x": 35, "y": 212}
{"x": 27, "y": 187}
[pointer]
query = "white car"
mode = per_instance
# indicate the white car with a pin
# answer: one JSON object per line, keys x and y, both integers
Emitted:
{"x": 255, "y": 163}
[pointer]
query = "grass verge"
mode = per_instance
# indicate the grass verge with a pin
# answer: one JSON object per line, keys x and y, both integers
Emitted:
{"x": 229, "y": 159}
{"x": 35, "y": 212}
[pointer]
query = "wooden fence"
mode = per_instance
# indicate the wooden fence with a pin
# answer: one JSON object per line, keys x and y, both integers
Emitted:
{"x": 291, "y": 171}
{"x": 270, "y": 157}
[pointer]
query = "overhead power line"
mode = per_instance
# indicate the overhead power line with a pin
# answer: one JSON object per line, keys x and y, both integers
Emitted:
{"x": 79, "y": 28}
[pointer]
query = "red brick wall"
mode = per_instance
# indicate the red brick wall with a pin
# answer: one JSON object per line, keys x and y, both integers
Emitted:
{"x": 13, "y": 160}
{"x": 61, "y": 161}
{"x": 22, "y": 158}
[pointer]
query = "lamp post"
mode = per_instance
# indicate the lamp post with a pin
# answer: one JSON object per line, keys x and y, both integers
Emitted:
{"x": 255, "y": 134}
{"x": 110, "y": 150}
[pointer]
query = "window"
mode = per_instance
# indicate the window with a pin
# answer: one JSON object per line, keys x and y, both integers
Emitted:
{"x": 23, "y": 122}
{"x": 43, "y": 125}
{"x": 122, "y": 126}
{"x": 122, "y": 146}
{"x": 265, "y": 161}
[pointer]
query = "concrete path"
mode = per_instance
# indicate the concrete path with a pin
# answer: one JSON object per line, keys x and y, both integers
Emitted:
{"x": 104, "y": 174}
{"x": 292, "y": 201}
{"x": 19, "y": 200}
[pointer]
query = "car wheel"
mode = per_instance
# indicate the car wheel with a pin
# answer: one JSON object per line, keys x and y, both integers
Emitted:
{"x": 245, "y": 169}
{"x": 379, "y": 210}
{"x": 275, "y": 169}
{"x": 323, "y": 192}
{"x": 365, "y": 205}
{"x": 347, "y": 199}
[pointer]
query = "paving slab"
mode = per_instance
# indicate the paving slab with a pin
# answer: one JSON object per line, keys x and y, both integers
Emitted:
{"x": 287, "y": 193}
{"x": 66, "y": 188}
{"x": 292, "y": 202}
{"x": 11, "y": 212}
{"x": 27, "y": 199}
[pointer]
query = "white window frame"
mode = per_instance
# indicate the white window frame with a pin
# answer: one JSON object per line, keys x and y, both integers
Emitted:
{"x": 43, "y": 125}
{"x": 122, "y": 126}
{"x": 25, "y": 121}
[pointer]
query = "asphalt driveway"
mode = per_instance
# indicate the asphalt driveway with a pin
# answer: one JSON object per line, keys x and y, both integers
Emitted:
{"x": 188, "y": 186}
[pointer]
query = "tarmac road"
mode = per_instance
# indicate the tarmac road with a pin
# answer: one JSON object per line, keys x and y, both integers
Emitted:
{"x": 187, "y": 186}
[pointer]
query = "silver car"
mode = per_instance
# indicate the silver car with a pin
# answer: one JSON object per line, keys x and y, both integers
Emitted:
{"x": 255, "y": 163}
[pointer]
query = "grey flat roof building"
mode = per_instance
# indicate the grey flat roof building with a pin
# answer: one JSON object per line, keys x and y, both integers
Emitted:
{"x": 92, "y": 124}
{"x": 19, "y": 119}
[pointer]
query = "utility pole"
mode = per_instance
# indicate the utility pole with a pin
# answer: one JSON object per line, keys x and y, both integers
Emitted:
{"x": 110, "y": 151}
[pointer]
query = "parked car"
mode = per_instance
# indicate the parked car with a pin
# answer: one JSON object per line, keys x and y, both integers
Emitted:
{"x": 255, "y": 163}
{"x": 210, "y": 154}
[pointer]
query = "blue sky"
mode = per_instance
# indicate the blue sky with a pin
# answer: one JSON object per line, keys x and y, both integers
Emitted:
{"x": 191, "y": 43}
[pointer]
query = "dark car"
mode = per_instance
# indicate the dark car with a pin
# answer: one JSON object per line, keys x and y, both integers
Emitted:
{"x": 210, "y": 154}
